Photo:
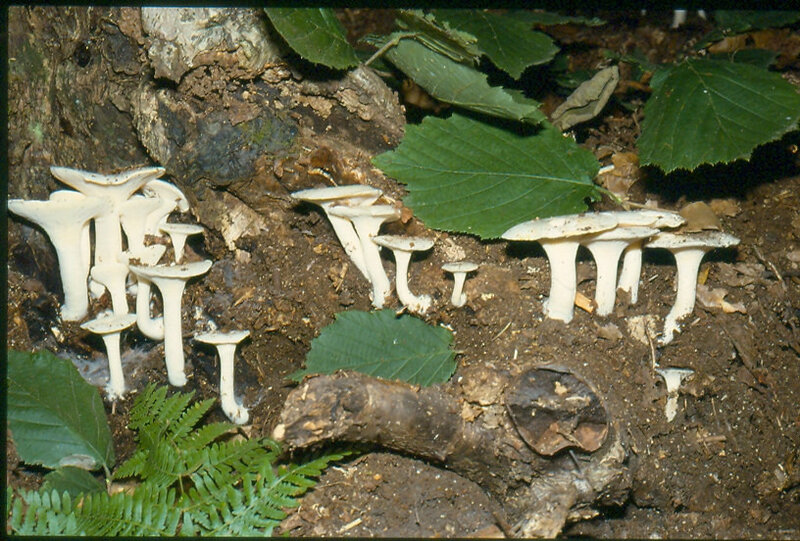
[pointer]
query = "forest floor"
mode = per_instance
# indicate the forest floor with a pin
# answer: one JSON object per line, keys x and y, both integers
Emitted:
{"x": 727, "y": 466}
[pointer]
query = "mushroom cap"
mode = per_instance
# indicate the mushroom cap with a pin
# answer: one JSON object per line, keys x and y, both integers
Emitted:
{"x": 333, "y": 193}
{"x": 387, "y": 212}
{"x": 184, "y": 270}
{"x": 57, "y": 211}
{"x": 138, "y": 204}
{"x": 561, "y": 227}
{"x": 405, "y": 244}
{"x": 460, "y": 266}
{"x": 183, "y": 229}
{"x": 215, "y": 338}
{"x": 704, "y": 239}
{"x": 109, "y": 324}
{"x": 148, "y": 255}
{"x": 164, "y": 190}
{"x": 624, "y": 233}
{"x": 647, "y": 218}
{"x": 674, "y": 376}
{"x": 96, "y": 184}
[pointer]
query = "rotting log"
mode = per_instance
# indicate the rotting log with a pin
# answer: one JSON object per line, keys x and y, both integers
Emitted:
{"x": 541, "y": 442}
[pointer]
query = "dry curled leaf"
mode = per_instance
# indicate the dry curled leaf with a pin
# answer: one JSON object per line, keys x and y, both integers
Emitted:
{"x": 699, "y": 216}
{"x": 725, "y": 207}
{"x": 714, "y": 297}
{"x": 624, "y": 174}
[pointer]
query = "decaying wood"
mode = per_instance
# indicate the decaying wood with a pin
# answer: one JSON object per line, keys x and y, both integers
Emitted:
{"x": 471, "y": 430}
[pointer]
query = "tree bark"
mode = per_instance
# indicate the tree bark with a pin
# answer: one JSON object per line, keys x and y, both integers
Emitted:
{"x": 473, "y": 432}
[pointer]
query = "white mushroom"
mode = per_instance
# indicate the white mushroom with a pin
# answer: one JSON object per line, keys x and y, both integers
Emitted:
{"x": 152, "y": 328}
{"x": 133, "y": 215}
{"x": 171, "y": 281}
{"x": 109, "y": 328}
{"x": 112, "y": 276}
{"x": 115, "y": 190}
{"x": 86, "y": 245}
{"x": 367, "y": 222}
{"x": 673, "y": 377}
{"x": 169, "y": 198}
{"x": 64, "y": 220}
{"x": 606, "y": 248}
{"x": 352, "y": 195}
{"x": 178, "y": 234}
{"x": 226, "y": 346}
{"x": 689, "y": 250}
{"x": 560, "y": 237}
{"x": 459, "y": 270}
{"x": 632, "y": 256}
{"x": 402, "y": 247}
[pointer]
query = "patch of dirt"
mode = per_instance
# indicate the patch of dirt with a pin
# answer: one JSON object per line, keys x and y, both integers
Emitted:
{"x": 728, "y": 465}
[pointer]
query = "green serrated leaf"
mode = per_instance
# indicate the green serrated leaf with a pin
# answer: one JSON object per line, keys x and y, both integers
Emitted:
{"x": 73, "y": 480}
{"x": 712, "y": 111}
{"x": 732, "y": 22}
{"x": 383, "y": 345}
{"x": 55, "y": 417}
{"x": 460, "y": 85}
{"x": 546, "y": 18}
{"x": 439, "y": 36}
{"x": 471, "y": 177}
{"x": 508, "y": 42}
{"x": 315, "y": 34}
{"x": 762, "y": 58}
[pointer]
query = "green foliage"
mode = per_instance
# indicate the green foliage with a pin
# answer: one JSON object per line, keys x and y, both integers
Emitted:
{"x": 73, "y": 480}
{"x": 55, "y": 417}
{"x": 383, "y": 345}
{"x": 712, "y": 111}
{"x": 315, "y": 34}
{"x": 191, "y": 481}
{"x": 732, "y": 22}
{"x": 456, "y": 83}
{"x": 508, "y": 42}
{"x": 546, "y": 18}
{"x": 471, "y": 177}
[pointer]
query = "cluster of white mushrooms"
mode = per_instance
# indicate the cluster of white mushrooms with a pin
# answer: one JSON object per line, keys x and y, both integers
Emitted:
{"x": 112, "y": 203}
{"x": 607, "y": 235}
{"x": 357, "y": 220}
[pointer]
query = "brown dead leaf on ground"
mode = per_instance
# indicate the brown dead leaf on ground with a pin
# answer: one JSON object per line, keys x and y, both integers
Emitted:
{"x": 725, "y": 207}
{"x": 699, "y": 216}
{"x": 714, "y": 297}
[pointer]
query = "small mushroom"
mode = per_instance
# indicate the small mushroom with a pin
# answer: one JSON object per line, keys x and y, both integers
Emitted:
{"x": 64, "y": 221}
{"x": 560, "y": 237}
{"x": 632, "y": 256}
{"x": 367, "y": 222}
{"x": 171, "y": 281}
{"x": 133, "y": 215}
{"x": 112, "y": 276}
{"x": 226, "y": 346}
{"x": 109, "y": 328}
{"x": 673, "y": 377}
{"x": 352, "y": 195}
{"x": 459, "y": 269}
{"x": 152, "y": 328}
{"x": 178, "y": 234}
{"x": 606, "y": 248}
{"x": 86, "y": 245}
{"x": 689, "y": 250}
{"x": 169, "y": 197}
{"x": 402, "y": 247}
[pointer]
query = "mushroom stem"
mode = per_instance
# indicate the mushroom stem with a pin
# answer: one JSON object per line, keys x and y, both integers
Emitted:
{"x": 631, "y": 271}
{"x": 150, "y": 327}
{"x": 381, "y": 287}
{"x": 415, "y": 303}
{"x": 235, "y": 411}
{"x": 673, "y": 377}
{"x": 563, "y": 278}
{"x": 459, "y": 298}
{"x": 688, "y": 265}
{"x": 116, "y": 379}
{"x": 347, "y": 236}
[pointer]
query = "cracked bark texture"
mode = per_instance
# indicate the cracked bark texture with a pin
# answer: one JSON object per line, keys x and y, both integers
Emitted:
{"x": 467, "y": 428}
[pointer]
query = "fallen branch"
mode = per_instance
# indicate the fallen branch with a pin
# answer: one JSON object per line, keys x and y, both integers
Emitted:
{"x": 539, "y": 442}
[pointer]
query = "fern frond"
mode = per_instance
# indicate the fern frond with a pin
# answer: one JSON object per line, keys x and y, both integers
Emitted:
{"x": 149, "y": 511}
{"x": 258, "y": 506}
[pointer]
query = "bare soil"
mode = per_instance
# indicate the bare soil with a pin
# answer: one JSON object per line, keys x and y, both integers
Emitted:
{"x": 728, "y": 465}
